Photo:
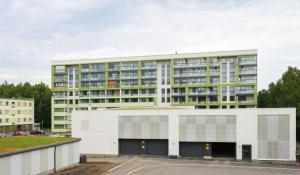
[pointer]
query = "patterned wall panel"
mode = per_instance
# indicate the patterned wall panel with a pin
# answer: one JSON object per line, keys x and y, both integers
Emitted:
{"x": 143, "y": 127}
{"x": 207, "y": 128}
{"x": 273, "y": 137}
{"x": 40, "y": 161}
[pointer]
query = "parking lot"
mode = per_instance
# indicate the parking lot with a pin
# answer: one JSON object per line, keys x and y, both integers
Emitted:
{"x": 138, "y": 165}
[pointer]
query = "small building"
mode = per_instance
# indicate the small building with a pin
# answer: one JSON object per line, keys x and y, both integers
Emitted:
{"x": 251, "y": 133}
{"x": 16, "y": 115}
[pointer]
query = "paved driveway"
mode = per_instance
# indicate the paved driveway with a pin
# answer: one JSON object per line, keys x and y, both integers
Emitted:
{"x": 165, "y": 166}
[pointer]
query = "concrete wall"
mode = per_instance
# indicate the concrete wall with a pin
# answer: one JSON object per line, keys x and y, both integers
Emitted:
{"x": 40, "y": 161}
{"x": 99, "y": 129}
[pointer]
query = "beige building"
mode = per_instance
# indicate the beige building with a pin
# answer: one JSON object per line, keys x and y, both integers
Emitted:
{"x": 16, "y": 115}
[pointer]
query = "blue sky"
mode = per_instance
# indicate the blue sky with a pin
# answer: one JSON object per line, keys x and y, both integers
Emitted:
{"x": 35, "y": 32}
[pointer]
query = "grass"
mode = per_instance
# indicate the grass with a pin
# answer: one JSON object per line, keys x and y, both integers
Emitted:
{"x": 10, "y": 144}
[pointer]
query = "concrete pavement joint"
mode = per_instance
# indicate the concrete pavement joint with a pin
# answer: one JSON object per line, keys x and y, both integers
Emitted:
{"x": 132, "y": 159}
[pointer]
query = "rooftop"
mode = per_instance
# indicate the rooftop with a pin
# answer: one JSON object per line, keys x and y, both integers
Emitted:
{"x": 156, "y": 57}
{"x": 10, "y": 145}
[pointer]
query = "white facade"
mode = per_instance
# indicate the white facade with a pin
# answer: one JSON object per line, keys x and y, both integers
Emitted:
{"x": 271, "y": 132}
{"x": 16, "y": 114}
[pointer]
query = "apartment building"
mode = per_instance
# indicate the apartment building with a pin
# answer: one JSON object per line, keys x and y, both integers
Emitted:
{"x": 207, "y": 80}
{"x": 16, "y": 114}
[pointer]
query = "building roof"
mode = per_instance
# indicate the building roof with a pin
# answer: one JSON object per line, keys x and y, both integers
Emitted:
{"x": 156, "y": 57}
{"x": 17, "y": 99}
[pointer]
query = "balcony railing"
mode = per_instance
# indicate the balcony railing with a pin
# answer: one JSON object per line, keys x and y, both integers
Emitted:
{"x": 212, "y": 93}
{"x": 190, "y": 65}
{"x": 244, "y": 92}
{"x": 63, "y": 71}
{"x": 197, "y": 93}
{"x": 214, "y": 73}
{"x": 214, "y": 64}
{"x": 148, "y": 67}
{"x": 252, "y": 62}
{"x": 129, "y": 68}
{"x": 247, "y": 72}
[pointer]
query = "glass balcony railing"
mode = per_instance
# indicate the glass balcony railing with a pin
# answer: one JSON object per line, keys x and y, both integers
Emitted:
{"x": 247, "y": 72}
{"x": 148, "y": 67}
{"x": 190, "y": 65}
{"x": 245, "y": 92}
{"x": 129, "y": 68}
{"x": 248, "y": 62}
{"x": 62, "y": 71}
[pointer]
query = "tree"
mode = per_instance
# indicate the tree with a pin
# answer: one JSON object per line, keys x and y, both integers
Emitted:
{"x": 284, "y": 93}
{"x": 41, "y": 94}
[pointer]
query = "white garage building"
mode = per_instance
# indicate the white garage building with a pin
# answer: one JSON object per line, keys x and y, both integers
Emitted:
{"x": 252, "y": 133}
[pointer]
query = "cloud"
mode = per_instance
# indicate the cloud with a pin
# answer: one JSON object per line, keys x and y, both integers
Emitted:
{"x": 39, "y": 32}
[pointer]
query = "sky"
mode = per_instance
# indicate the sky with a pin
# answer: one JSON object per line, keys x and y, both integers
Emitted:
{"x": 35, "y": 32}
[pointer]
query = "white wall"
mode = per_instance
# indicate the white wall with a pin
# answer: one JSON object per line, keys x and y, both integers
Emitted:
{"x": 102, "y": 135}
{"x": 246, "y": 134}
{"x": 40, "y": 161}
{"x": 173, "y": 134}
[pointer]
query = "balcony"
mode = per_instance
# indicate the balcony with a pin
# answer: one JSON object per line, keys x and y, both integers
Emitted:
{"x": 148, "y": 76}
{"x": 197, "y": 93}
{"x": 190, "y": 65}
{"x": 248, "y": 62}
{"x": 178, "y": 94}
{"x": 214, "y": 73}
{"x": 248, "y": 80}
{"x": 244, "y": 92}
{"x": 114, "y": 78}
{"x": 212, "y": 93}
{"x": 112, "y": 69}
{"x": 214, "y": 64}
{"x": 129, "y": 68}
{"x": 60, "y": 80}
{"x": 85, "y": 70}
{"x": 148, "y": 67}
{"x": 129, "y": 77}
{"x": 97, "y": 70}
{"x": 248, "y": 72}
{"x": 57, "y": 72}
{"x": 190, "y": 74}
{"x": 100, "y": 78}
{"x": 246, "y": 101}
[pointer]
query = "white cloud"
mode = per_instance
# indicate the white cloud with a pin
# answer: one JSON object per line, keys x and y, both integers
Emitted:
{"x": 149, "y": 27}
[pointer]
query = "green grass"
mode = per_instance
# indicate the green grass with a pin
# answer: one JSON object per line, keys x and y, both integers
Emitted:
{"x": 10, "y": 144}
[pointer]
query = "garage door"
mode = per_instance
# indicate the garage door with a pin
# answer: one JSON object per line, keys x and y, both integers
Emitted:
{"x": 157, "y": 147}
{"x": 143, "y": 147}
{"x": 191, "y": 149}
{"x": 129, "y": 146}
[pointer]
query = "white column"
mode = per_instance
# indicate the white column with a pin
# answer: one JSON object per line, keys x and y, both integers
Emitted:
{"x": 173, "y": 134}
{"x": 246, "y": 131}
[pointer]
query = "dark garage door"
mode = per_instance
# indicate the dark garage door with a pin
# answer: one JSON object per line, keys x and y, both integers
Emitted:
{"x": 157, "y": 147}
{"x": 127, "y": 146}
{"x": 221, "y": 149}
{"x": 191, "y": 149}
{"x": 147, "y": 146}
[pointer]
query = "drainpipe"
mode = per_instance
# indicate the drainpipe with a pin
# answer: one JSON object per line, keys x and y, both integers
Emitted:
{"x": 54, "y": 159}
